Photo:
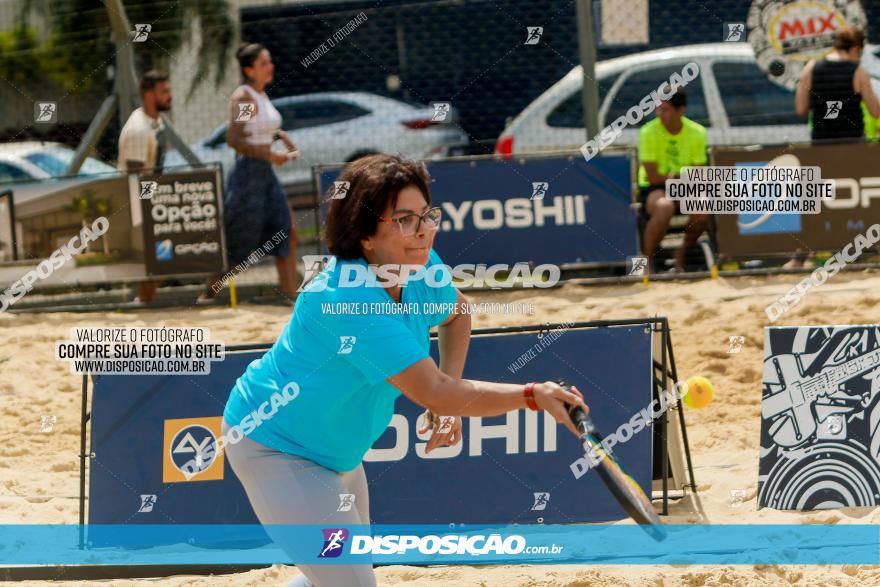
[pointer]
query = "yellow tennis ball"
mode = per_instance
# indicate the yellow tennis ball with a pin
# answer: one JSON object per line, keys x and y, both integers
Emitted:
{"x": 700, "y": 392}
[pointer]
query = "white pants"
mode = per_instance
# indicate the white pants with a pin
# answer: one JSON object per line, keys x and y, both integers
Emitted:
{"x": 287, "y": 489}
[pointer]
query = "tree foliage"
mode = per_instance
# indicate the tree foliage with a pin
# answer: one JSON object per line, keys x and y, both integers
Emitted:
{"x": 77, "y": 50}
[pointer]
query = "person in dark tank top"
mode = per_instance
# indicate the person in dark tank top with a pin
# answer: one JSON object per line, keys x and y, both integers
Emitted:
{"x": 832, "y": 89}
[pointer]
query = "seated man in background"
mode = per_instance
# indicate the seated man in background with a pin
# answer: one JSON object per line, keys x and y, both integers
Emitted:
{"x": 666, "y": 144}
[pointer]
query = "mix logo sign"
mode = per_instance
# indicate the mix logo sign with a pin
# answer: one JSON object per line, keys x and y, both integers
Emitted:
{"x": 786, "y": 34}
{"x": 189, "y": 441}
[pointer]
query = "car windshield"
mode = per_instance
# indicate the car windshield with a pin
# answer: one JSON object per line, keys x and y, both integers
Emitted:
{"x": 55, "y": 162}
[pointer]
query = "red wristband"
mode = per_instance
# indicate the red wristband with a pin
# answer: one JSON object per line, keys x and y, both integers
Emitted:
{"x": 529, "y": 394}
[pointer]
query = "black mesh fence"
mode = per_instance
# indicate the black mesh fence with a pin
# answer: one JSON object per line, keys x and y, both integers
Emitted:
{"x": 425, "y": 78}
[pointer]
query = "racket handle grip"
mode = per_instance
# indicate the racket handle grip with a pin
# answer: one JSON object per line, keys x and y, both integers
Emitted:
{"x": 580, "y": 418}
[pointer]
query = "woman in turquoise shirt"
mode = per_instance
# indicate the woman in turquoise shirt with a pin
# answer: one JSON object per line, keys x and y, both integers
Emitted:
{"x": 301, "y": 418}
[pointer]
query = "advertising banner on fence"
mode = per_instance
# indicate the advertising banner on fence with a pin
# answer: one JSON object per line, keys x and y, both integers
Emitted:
{"x": 856, "y": 206}
{"x": 820, "y": 444}
{"x": 515, "y": 468}
{"x": 182, "y": 222}
{"x": 559, "y": 209}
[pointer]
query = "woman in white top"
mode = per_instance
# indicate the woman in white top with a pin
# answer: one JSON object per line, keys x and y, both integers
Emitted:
{"x": 256, "y": 214}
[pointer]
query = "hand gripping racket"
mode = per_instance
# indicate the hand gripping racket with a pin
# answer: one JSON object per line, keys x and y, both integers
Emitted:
{"x": 624, "y": 489}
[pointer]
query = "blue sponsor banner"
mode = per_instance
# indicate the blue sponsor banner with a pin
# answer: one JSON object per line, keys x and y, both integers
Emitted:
{"x": 851, "y": 212}
{"x": 516, "y": 468}
{"x": 431, "y": 544}
{"x": 509, "y": 469}
{"x": 767, "y": 223}
{"x": 559, "y": 209}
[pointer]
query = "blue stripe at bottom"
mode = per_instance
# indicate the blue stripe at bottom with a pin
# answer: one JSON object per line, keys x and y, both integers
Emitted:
{"x": 423, "y": 544}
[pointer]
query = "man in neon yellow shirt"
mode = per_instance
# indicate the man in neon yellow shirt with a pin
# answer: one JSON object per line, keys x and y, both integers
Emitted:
{"x": 666, "y": 144}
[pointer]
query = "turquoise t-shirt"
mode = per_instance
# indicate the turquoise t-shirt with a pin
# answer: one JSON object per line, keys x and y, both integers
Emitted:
{"x": 340, "y": 358}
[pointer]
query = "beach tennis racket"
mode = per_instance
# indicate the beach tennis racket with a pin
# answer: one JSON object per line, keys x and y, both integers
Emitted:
{"x": 623, "y": 487}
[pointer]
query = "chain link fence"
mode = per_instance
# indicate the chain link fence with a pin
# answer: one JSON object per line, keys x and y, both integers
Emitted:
{"x": 489, "y": 60}
{"x": 428, "y": 79}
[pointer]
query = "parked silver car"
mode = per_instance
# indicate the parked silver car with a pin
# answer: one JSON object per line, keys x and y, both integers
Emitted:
{"x": 732, "y": 97}
{"x": 337, "y": 127}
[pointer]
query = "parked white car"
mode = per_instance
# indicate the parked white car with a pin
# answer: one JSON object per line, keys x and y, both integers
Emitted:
{"x": 732, "y": 97}
{"x": 33, "y": 160}
{"x": 337, "y": 127}
{"x": 37, "y": 171}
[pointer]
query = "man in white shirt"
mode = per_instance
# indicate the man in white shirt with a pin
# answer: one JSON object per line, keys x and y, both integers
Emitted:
{"x": 142, "y": 143}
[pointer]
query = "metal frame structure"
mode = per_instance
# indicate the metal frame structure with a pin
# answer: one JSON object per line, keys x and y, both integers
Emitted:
{"x": 11, "y": 200}
{"x": 664, "y": 369}
{"x": 124, "y": 98}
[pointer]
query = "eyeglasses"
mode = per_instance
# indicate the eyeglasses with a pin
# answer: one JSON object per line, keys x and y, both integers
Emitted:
{"x": 410, "y": 223}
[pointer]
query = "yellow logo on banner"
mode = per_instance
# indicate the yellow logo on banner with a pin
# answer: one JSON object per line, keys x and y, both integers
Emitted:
{"x": 190, "y": 450}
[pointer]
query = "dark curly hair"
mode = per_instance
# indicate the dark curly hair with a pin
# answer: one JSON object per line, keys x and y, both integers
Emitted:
{"x": 375, "y": 183}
